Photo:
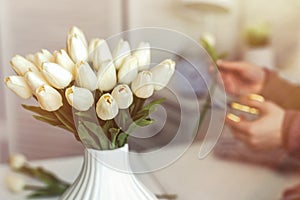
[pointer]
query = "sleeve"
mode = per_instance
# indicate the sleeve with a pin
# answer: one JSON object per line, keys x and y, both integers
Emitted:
{"x": 280, "y": 91}
{"x": 291, "y": 132}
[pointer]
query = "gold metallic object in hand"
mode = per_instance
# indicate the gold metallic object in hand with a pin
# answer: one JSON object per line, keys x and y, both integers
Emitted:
{"x": 244, "y": 108}
{"x": 233, "y": 117}
{"x": 256, "y": 97}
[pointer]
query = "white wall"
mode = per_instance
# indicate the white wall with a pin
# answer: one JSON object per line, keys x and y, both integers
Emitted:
{"x": 281, "y": 14}
{"x": 28, "y": 26}
{"x": 174, "y": 15}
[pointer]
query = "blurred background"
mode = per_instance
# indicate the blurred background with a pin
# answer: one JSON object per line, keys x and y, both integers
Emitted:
{"x": 28, "y": 26}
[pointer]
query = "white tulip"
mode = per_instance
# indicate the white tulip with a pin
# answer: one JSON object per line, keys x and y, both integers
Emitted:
{"x": 85, "y": 76}
{"x": 143, "y": 54}
{"x": 15, "y": 184}
{"x": 80, "y": 98}
{"x": 56, "y": 75}
{"x": 31, "y": 58}
{"x": 121, "y": 51}
{"x": 123, "y": 96}
{"x": 129, "y": 70}
{"x": 91, "y": 49}
{"x": 19, "y": 86}
{"x": 22, "y": 65}
{"x": 63, "y": 59}
{"x": 107, "y": 107}
{"x": 17, "y": 161}
{"x": 42, "y": 57}
{"x": 49, "y": 98}
{"x": 77, "y": 49}
{"x": 142, "y": 86}
{"x": 102, "y": 55}
{"x": 162, "y": 73}
{"x": 76, "y": 31}
{"x": 35, "y": 80}
{"x": 107, "y": 77}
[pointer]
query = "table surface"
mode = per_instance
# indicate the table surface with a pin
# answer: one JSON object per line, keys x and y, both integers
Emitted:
{"x": 189, "y": 177}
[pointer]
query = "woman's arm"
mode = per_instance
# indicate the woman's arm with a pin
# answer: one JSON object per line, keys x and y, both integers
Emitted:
{"x": 280, "y": 91}
{"x": 291, "y": 132}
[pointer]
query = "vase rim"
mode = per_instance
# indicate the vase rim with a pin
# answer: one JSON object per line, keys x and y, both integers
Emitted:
{"x": 123, "y": 148}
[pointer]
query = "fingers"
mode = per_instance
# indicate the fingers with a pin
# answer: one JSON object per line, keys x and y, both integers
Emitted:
{"x": 238, "y": 123}
{"x": 254, "y": 101}
{"x": 242, "y": 130}
{"x": 227, "y": 65}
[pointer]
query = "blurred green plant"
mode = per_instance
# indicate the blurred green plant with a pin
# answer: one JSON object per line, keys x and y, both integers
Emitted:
{"x": 257, "y": 35}
{"x": 208, "y": 42}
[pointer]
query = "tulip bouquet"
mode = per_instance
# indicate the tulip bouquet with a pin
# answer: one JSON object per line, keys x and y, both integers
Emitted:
{"x": 85, "y": 89}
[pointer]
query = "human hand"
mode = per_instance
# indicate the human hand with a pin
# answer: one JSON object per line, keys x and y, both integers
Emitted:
{"x": 292, "y": 193}
{"x": 262, "y": 133}
{"x": 240, "y": 78}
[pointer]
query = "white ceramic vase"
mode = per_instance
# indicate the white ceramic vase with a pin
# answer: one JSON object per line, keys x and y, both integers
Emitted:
{"x": 106, "y": 175}
{"x": 262, "y": 56}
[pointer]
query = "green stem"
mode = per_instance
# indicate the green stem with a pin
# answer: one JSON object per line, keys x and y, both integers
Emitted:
{"x": 32, "y": 187}
{"x": 166, "y": 196}
{"x": 210, "y": 94}
{"x": 139, "y": 103}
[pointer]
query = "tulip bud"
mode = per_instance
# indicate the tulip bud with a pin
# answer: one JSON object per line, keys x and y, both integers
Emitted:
{"x": 162, "y": 73}
{"x": 76, "y": 31}
{"x": 42, "y": 57}
{"x": 31, "y": 58}
{"x": 142, "y": 86}
{"x": 19, "y": 86}
{"x": 80, "y": 98}
{"x": 107, "y": 107}
{"x": 121, "y": 51}
{"x": 49, "y": 98}
{"x": 143, "y": 54}
{"x": 56, "y": 75}
{"x": 35, "y": 80}
{"x": 62, "y": 58}
{"x": 22, "y": 65}
{"x": 85, "y": 76}
{"x": 107, "y": 77}
{"x": 102, "y": 54}
{"x": 129, "y": 70}
{"x": 91, "y": 49}
{"x": 209, "y": 39}
{"x": 77, "y": 49}
{"x": 17, "y": 161}
{"x": 123, "y": 96}
{"x": 15, "y": 183}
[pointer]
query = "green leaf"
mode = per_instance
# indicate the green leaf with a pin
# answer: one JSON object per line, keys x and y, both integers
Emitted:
{"x": 114, "y": 130}
{"x": 97, "y": 130}
{"x": 83, "y": 114}
{"x": 114, "y": 134}
{"x": 153, "y": 103}
{"x": 87, "y": 115}
{"x": 47, "y": 120}
{"x": 85, "y": 137}
{"x": 49, "y": 191}
{"x": 40, "y": 111}
{"x": 144, "y": 122}
{"x": 141, "y": 114}
{"x": 210, "y": 50}
{"x": 122, "y": 139}
{"x": 131, "y": 128}
{"x": 65, "y": 122}
{"x": 67, "y": 116}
